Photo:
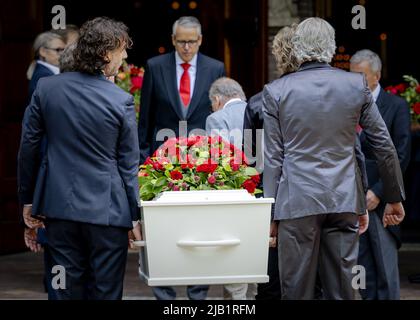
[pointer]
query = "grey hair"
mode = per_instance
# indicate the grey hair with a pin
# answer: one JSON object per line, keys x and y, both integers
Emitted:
{"x": 66, "y": 60}
{"x": 43, "y": 40}
{"x": 226, "y": 88}
{"x": 187, "y": 22}
{"x": 314, "y": 40}
{"x": 370, "y": 57}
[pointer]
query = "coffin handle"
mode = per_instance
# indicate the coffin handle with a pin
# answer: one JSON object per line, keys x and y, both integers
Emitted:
{"x": 208, "y": 243}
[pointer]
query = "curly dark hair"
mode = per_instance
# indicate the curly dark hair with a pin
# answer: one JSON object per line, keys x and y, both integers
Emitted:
{"x": 97, "y": 37}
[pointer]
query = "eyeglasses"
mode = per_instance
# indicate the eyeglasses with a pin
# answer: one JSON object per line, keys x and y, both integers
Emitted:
{"x": 183, "y": 43}
{"x": 58, "y": 50}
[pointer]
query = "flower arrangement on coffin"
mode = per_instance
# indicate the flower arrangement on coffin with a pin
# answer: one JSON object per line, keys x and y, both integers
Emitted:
{"x": 130, "y": 79}
{"x": 410, "y": 91}
{"x": 196, "y": 163}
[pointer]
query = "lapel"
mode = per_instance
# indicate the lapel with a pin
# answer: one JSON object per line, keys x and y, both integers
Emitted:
{"x": 199, "y": 86}
{"x": 169, "y": 75}
{"x": 381, "y": 101}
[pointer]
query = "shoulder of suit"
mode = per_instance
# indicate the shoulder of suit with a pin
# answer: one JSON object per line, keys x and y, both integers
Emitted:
{"x": 42, "y": 70}
{"x": 211, "y": 61}
{"x": 393, "y": 99}
{"x": 104, "y": 85}
{"x": 160, "y": 59}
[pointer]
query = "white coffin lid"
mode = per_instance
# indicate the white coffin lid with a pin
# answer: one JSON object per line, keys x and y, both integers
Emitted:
{"x": 204, "y": 197}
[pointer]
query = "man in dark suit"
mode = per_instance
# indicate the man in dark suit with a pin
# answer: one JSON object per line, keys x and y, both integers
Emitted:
{"x": 47, "y": 47}
{"x": 175, "y": 87}
{"x": 310, "y": 167}
{"x": 86, "y": 183}
{"x": 378, "y": 248}
{"x": 174, "y": 93}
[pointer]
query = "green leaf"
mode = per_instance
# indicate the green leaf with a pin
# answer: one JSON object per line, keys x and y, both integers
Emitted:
{"x": 250, "y": 171}
{"x": 162, "y": 181}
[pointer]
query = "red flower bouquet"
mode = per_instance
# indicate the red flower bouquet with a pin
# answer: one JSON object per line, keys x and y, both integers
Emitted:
{"x": 130, "y": 79}
{"x": 196, "y": 163}
{"x": 410, "y": 91}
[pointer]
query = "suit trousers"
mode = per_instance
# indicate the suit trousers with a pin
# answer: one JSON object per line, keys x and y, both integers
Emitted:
{"x": 378, "y": 253}
{"x": 93, "y": 256}
{"x": 324, "y": 243}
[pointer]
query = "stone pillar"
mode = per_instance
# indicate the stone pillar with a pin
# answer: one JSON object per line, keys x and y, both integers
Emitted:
{"x": 282, "y": 13}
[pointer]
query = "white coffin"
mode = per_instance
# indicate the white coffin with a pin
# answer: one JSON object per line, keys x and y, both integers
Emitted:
{"x": 205, "y": 237}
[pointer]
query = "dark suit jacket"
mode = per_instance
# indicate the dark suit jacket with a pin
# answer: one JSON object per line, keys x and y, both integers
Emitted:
{"x": 89, "y": 173}
{"x": 160, "y": 106}
{"x": 395, "y": 112}
{"x": 40, "y": 71}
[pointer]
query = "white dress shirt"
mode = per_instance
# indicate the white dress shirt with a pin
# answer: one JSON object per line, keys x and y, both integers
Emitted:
{"x": 54, "y": 69}
{"x": 231, "y": 101}
{"x": 375, "y": 93}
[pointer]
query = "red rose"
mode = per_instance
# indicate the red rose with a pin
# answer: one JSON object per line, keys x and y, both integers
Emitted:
{"x": 416, "y": 108}
{"x": 401, "y": 87}
{"x": 157, "y": 166}
{"x": 187, "y": 166}
{"x": 235, "y": 166}
{"x": 136, "y": 84}
{"x": 207, "y": 168}
{"x": 256, "y": 179}
{"x": 249, "y": 185}
{"x": 171, "y": 142}
{"x": 418, "y": 89}
{"x": 148, "y": 161}
{"x": 176, "y": 175}
{"x": 211, "y": 179}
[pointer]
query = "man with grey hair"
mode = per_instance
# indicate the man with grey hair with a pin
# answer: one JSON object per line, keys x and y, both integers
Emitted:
{"x": 378, "y": 247}
{"x": 310, "y": 118}
{"x": 175, "y": 93}
{"x": 47, "y": 47}
{"x": 228, "y": 102}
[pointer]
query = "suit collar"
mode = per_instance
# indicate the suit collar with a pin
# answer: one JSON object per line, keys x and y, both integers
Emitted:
{"x": 313, "y": 65}
{"x": 381, "y": 101}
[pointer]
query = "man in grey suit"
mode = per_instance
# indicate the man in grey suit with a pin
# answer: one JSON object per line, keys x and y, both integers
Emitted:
{"x": 310, "y": 119}
{"x": 228, "y": 102}
{"x": 86, "y": 183}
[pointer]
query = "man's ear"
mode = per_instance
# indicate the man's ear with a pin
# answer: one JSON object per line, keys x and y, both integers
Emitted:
{"x": 200, "y": 39}
{"x": 107, "y": 57}
{"x": 173, "y": 40}
{"x": 378, "y": 76}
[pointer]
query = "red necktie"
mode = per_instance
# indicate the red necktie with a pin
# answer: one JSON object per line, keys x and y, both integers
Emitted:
{"x": 185, "y": 85}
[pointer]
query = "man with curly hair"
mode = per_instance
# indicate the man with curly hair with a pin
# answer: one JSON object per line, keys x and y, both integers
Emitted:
{"x": 85, "y": 186}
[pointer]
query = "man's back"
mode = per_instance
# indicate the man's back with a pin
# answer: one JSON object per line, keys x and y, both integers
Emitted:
{"x": 87, "y": 120}
{"x": 318, "y": 112}
{"x": 228, "y": 122}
